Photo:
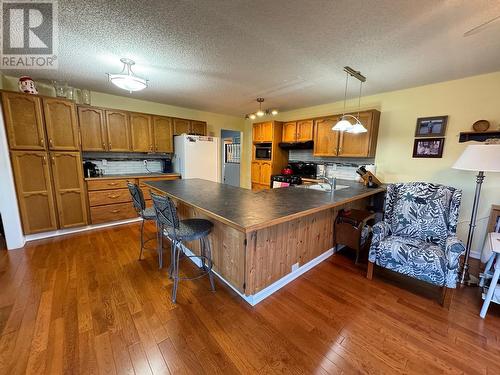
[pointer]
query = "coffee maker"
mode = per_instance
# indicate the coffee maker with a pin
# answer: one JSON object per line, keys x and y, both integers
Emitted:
{"x": 90, "y": 169}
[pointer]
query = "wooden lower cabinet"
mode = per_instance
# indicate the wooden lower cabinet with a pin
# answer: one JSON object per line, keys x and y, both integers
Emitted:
{"x": 261, "y": 172}
{"x": 68, "y": 189}
{"x": 34, "y": 191}
{"x": 110, "y": 199}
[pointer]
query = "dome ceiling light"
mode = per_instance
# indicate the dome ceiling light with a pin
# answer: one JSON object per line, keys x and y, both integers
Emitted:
{"x": 261, "y": 112}
{"x": 127, "y": 80}
{"x": 344, "y": 124}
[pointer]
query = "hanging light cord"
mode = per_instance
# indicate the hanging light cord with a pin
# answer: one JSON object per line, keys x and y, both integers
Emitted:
{"x": 345, "y": 91}
{"x": 359, "y": 99}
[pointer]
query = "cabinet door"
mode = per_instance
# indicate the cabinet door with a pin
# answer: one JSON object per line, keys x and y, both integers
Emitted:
{"x": 326, "y": 140}
{"x": 118, "y": 131}
{"x": 198, "y": 127}
{"x": 357, "y": 145}
{"x": 92, "y": 129}
{"x": 257, "y": 133}
{"x": 181, "y": 126}
{"x": 304, "y": 130}
{"x": 267, "y": 132}
{"x": 255, "y": 171}
{"x": 34, "y": 191}
{"x": 23, "y": 121}
{"x": 265, "y": 173}
{"x": 163, "y": 134}
{"x": 141, "y": 131}
{"x": 289, "y": 132}
{"x": 60, "y": 120}
{"x": 68, "y": 188}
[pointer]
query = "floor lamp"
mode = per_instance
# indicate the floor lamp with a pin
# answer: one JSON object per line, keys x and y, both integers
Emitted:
{"x": 478, "y": 158}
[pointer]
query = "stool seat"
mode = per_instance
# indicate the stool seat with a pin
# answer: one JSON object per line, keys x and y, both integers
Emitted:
{"x": 190, "y": 229}
{"x": 149, "y": 213}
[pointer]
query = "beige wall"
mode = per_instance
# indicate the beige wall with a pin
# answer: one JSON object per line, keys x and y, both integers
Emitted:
{"x": 215, "y": 121}
{"x": 464, "y": 101}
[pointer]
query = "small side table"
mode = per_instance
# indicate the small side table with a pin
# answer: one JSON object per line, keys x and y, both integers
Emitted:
{"x": 352, "y": 231}
{"x": 493, "y": 242}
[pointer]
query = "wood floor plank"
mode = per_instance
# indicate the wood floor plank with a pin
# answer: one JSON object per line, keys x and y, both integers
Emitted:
{"x": 84, "y": 304}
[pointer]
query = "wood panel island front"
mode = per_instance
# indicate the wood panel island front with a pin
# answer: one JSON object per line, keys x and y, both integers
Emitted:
{"x": 263, "y": 240}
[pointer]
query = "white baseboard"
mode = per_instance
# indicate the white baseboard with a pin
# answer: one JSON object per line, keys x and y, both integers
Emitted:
{"x": 277, "y": 285}
{"x": 62, "y": 232}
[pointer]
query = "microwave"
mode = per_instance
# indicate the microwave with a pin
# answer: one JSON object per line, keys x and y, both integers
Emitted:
{"x": 263, "y": 152}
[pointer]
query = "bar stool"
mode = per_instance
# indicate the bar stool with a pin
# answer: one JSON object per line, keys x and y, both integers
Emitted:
{"x": 352, "y": 230}
{"x": 146, "y": 213}
{"x": 180, "y": 231}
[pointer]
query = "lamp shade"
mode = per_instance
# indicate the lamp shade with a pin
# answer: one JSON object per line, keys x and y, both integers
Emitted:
{"x": 484, "y": 158}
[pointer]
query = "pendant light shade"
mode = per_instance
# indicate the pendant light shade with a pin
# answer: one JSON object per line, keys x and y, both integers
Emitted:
{"x": 127, "y": 80}
{"x": 343, "y": 125}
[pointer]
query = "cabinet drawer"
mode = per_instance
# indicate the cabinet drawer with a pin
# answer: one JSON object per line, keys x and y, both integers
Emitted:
{"x": 101, "y": 197}
{"x": 112, "y": 212}
{"x": 108, "y": 184}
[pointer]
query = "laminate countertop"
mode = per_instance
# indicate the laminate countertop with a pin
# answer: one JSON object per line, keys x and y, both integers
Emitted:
{"x": 132, "y": 175}
{"x": 248, "y": 210}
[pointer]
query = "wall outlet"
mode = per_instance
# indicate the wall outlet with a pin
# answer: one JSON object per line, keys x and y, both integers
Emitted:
{"x": 295, "y": 266}
{"x": 145, "y": 163}
{"x": 104, "y": 162}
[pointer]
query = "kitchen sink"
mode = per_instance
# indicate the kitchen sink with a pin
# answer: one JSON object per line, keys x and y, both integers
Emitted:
{"x": 322, "y": 187}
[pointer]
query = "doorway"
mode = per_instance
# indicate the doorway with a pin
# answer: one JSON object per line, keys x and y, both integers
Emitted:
{"x": 231, "y": 156}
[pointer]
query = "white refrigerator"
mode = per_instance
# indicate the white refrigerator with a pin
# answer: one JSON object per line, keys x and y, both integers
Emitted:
{"x": 197, "y": 156}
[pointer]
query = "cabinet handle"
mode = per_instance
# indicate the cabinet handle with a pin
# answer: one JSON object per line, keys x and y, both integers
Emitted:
{"x": 42, "y": 142}
{"x": 151, "y": 147}
{"x": 51, "y": 143}
{"x": 109, "y": 145}
{"x": 115, "y": 211}
{"x": 44, "y": 160}
{"x": 113, "y": 196}
{"x": 53, "y": 160}
{"x": 112, "y": 183}
{"x": 104, "y": 145}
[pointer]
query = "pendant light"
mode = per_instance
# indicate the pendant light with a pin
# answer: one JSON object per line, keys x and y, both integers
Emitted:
{"x": 127, "y": 80}
{"x": 344, "y": 124}
{"x": 261, "y": 112}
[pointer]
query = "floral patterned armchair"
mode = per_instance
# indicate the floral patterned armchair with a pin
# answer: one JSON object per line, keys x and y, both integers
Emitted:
{"x": 417, "y": 237}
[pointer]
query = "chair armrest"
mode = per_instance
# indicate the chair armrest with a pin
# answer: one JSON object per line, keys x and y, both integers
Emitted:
{"x": 454, "y": 248}
{"x": 380, "y": 231}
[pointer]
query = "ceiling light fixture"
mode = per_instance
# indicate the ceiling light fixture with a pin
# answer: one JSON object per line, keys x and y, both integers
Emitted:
{"x": 261, "y": 112}
{"x": 344, "y": 124}
{"x": 127, "y": 80}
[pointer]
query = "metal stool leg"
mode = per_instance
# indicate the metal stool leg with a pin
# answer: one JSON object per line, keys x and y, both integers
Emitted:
{"x": 160, "y": 247}
{"x": 176, "y": 274}
{"x": 491, "y": 289}
{"x": 208, "y": 253}
{"x": 173, "y": 245}
{"x": 142, "y": 239}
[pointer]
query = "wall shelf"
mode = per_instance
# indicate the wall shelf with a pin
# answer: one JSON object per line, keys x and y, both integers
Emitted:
{"x": 479, "y": 136}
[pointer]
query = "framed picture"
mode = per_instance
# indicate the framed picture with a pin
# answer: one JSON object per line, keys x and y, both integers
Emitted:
{"x": 428, "y": 148}
{"x": 431, "y": 126}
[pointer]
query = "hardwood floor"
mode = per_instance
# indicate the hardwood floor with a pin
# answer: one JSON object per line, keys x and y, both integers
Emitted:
{"x": 84, "y": 304}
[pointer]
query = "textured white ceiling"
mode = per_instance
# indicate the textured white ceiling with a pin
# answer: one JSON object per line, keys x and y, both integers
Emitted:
{"x": 219, "y": 55}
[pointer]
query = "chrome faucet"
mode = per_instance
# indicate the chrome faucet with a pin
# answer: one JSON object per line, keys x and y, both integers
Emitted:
{"x": 332, "y": 182}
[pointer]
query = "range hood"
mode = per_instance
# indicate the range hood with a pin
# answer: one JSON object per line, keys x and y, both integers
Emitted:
{"x": 296, "y": 145}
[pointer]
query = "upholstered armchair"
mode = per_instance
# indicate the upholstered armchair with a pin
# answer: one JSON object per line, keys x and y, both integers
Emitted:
{"x": 417, "y": 237}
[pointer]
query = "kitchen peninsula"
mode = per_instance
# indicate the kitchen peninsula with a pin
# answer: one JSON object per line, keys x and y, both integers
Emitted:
{"x": 263, "y": 240}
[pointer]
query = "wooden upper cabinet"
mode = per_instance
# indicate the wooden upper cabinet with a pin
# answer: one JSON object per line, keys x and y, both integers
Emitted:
{"x": 163, "y": 134}
{"x": 362, "y": 144}
{"x": 326, "y": 141}
{"x": 266, "y": 132}
{"x": 289, "y": 132}
{"x": 266, "y": 169}
{"x": 304, "y": 130}
{"x": 141, "y": 129}
{"x": 24, "y": 121}
{"x": 198, "y": 128}
{"x": 68, "y": 187}
{"x": 34, "y": 191}
{"x": 118, "y": 131}
{"x": 61, "y": 123}
{"x": 92, "y": 129}
{"x": 181, "y": 126}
